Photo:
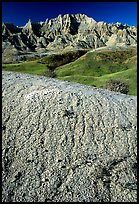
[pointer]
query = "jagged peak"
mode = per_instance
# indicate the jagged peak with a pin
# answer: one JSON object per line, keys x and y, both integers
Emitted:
{"x": 79, "y": 17}
{"x": 82, "y": 31}
{"x": 41, "y": 23}
{"x": 3, "y": 24}
{"x": 29, "y": 23}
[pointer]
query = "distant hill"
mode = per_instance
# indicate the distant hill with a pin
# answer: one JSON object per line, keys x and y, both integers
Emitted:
{"x": 67, "y": 32}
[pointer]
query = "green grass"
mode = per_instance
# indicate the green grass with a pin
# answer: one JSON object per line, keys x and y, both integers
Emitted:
{"x": 97, "y": 68}
{"x": 93, "y": 68}
{"x": 96, "y": 64}
{"x": 31, "y": 67}
{"x": 56, "y": 60}
{"x": 128, "y": 76}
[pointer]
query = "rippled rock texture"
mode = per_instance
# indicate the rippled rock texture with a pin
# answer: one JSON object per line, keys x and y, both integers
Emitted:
{"x": 66, "y": 142}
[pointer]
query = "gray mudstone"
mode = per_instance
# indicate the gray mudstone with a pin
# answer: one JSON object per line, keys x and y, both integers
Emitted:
{"x": 67, "y": 142}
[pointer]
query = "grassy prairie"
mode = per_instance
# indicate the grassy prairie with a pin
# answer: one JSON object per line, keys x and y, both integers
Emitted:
{"x": 92, "y": 68}
{"x": 31, "y": 67}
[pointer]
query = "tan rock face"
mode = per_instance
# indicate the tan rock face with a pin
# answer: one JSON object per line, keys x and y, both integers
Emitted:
{"x": 78, "y": 31}
{"x": 65, "y": 142}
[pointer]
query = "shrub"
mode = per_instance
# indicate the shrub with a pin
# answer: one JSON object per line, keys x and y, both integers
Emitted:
{"x": 50, "y": 72}
{"x": 118, "y": 86}
{"x": 56, "y": 60}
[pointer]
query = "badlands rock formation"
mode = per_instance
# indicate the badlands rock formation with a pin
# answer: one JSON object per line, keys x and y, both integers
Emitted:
{"x": 66, "y": 142}
{"x": 71, "y": 31}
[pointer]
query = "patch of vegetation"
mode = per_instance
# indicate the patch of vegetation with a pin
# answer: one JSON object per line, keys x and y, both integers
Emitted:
{"x": 31, "y": 67}
{"x": 96, "y": 68}
{"x": 50, "y": 72}
{"x": 116, "y": 56}
{"x": 118, "y": 86}
{"x": 56, "y": 60}
{"x": 129, "y": 76}
{"x": 93, "y": 68}
{"x": 97, "y": 64}
{"x": 31, "y": 58}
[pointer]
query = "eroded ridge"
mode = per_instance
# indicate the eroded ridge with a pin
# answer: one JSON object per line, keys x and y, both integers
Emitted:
{"x": 66, "y": 142}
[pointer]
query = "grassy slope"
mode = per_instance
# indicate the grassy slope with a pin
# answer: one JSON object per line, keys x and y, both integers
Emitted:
{"x": 96, "y": 68}
{"x": 97, "y": 64}
{"x": 93, "y": 68}
{"x": 56, "y": 60}
{"x": 128, "y": 76}
{"x": 31, "y": 67}
{"x": 39, "y": 66}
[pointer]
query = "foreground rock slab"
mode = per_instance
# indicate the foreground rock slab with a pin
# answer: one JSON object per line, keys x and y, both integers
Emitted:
{"x": 66, "y": 142}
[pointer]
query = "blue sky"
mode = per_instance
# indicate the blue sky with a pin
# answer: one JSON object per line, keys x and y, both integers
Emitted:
{"x": 109, "y": 12}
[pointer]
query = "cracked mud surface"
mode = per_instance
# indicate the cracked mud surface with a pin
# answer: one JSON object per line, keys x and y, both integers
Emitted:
{"x": 66, "y": 142}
